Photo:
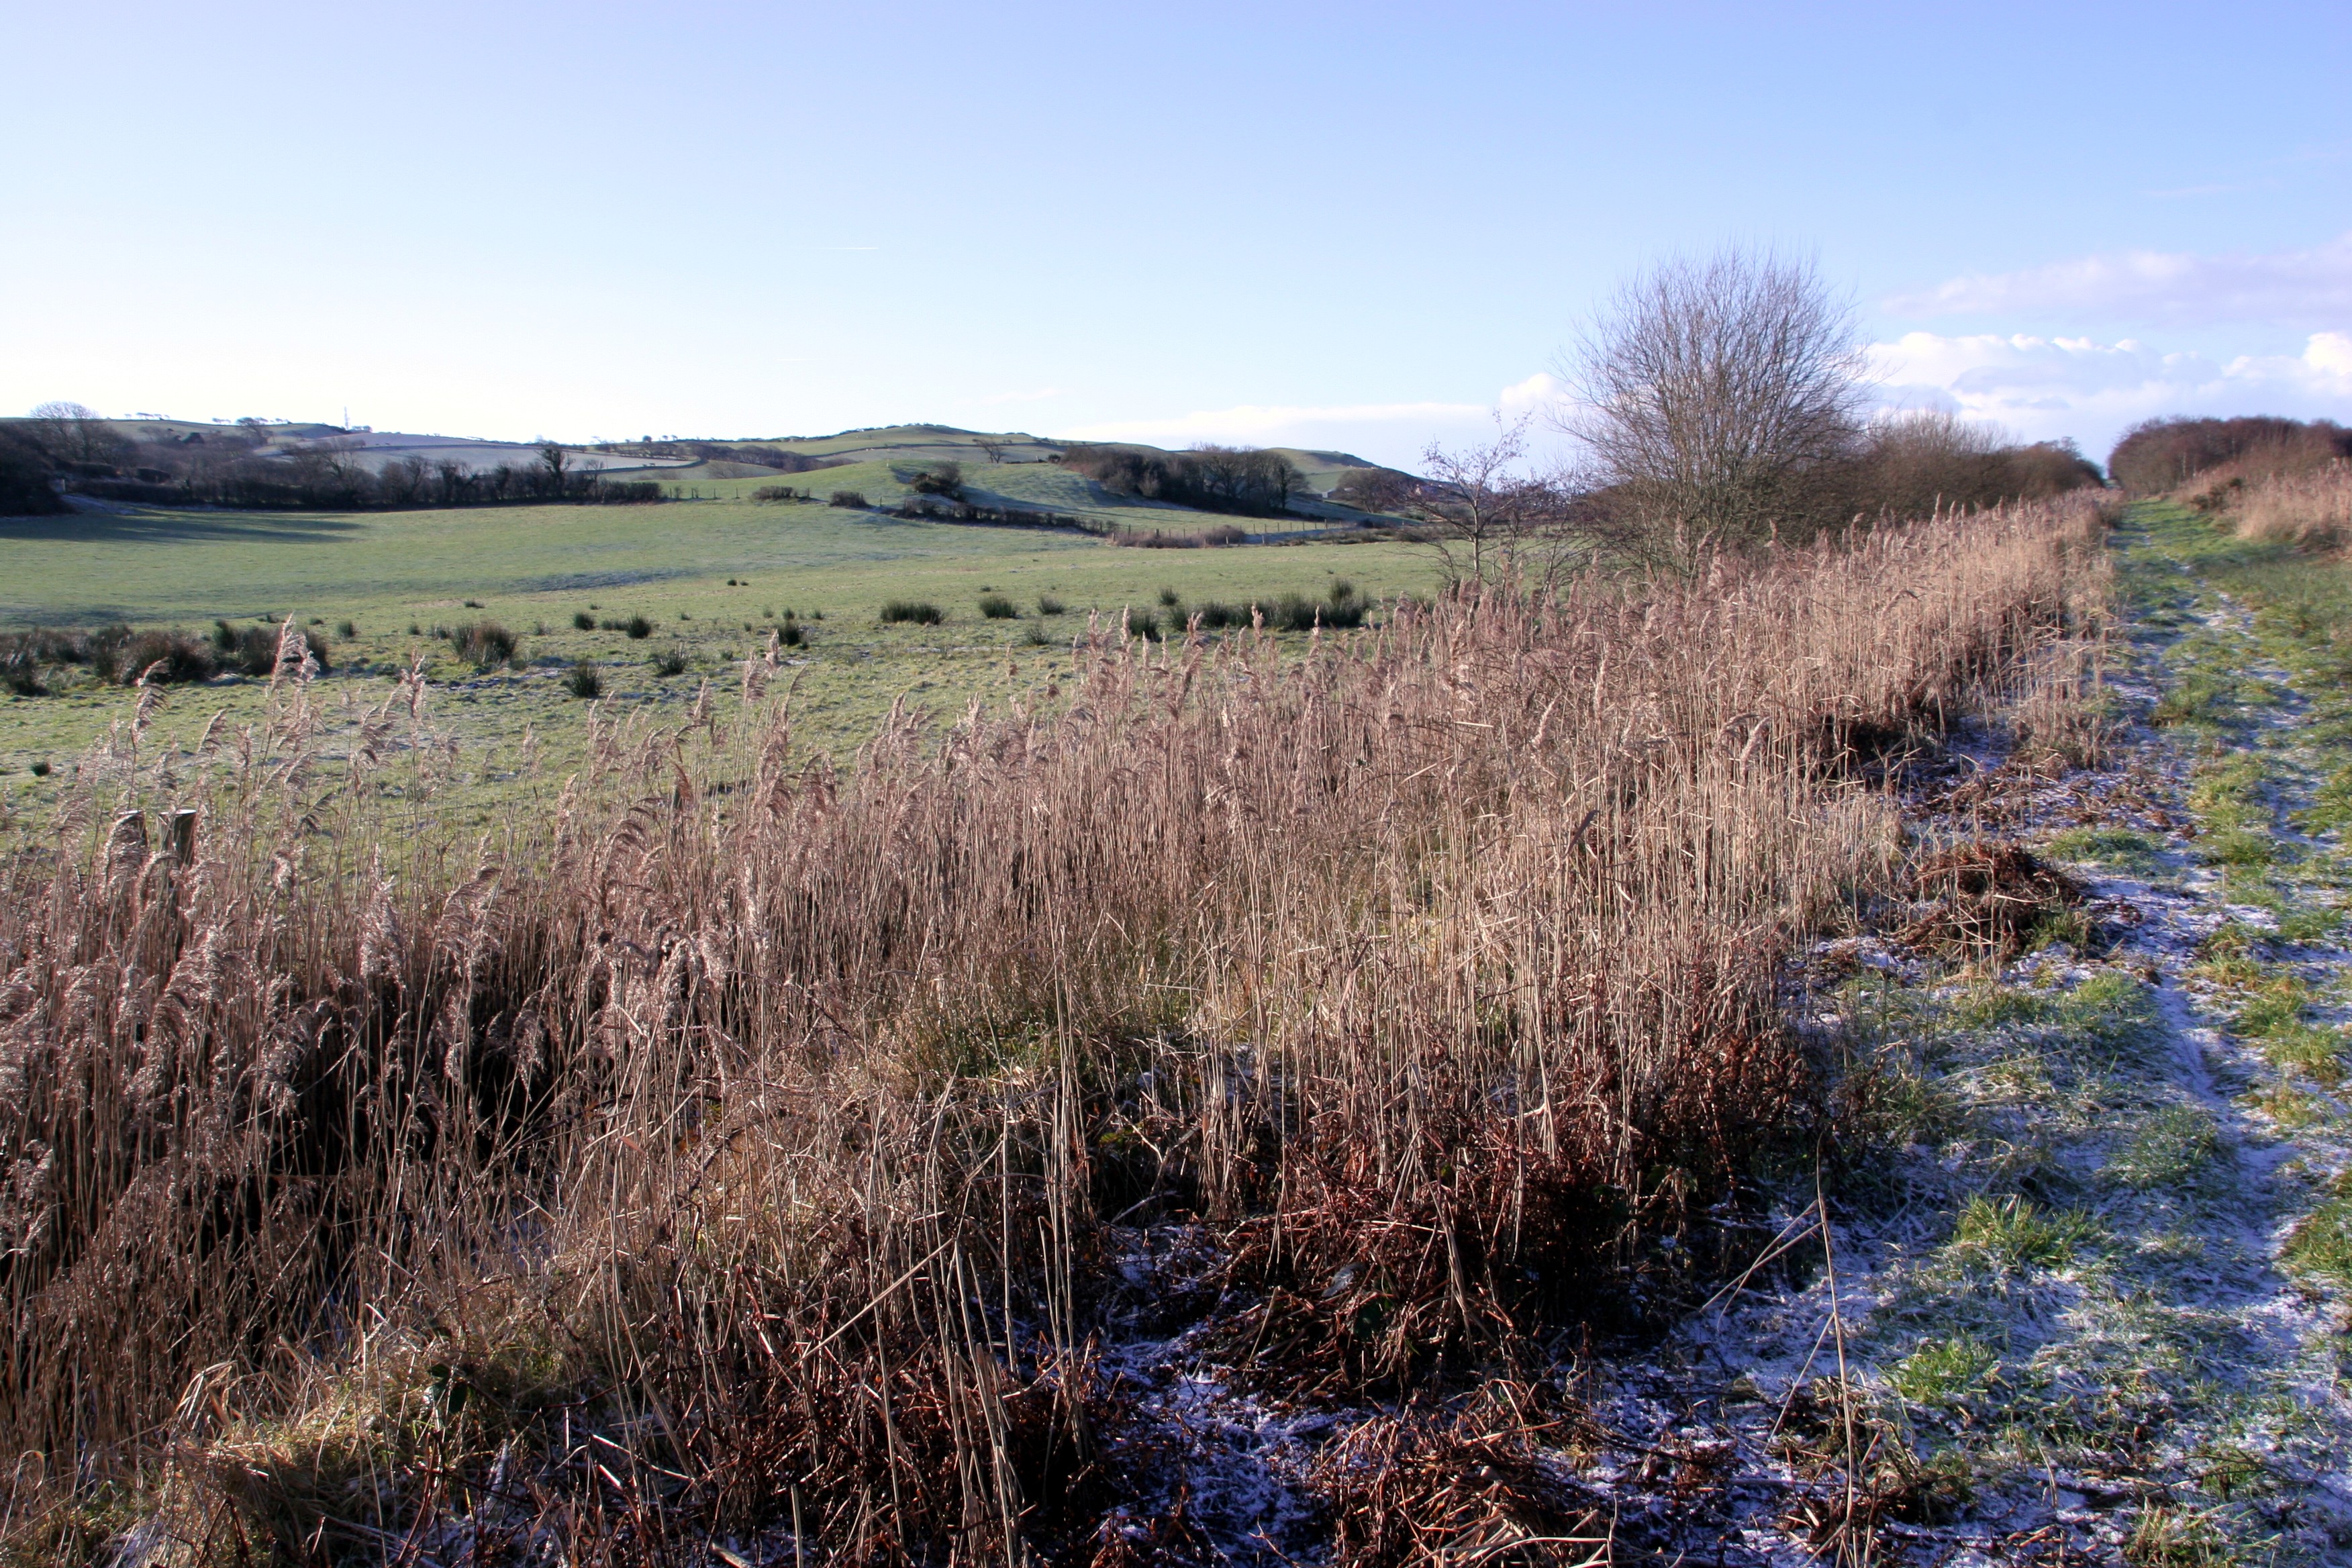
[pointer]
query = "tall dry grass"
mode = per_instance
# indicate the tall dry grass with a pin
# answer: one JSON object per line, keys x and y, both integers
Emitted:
{"x": 754, "y": 1141}
{"x": 2312, "y": 510}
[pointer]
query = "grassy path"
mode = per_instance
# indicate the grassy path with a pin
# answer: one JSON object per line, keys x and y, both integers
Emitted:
{"x": 2092, "y": 1216}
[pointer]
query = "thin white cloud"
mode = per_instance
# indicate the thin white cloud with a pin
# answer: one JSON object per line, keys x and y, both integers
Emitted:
{"x": 1396, "y": 434}
{"x": 2309, "y": 287}
{"x": 1261, "y": 423}
{"x": 2040, "y": 388}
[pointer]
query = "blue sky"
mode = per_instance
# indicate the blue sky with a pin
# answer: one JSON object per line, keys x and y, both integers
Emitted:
{"x": 1359, "y": 225}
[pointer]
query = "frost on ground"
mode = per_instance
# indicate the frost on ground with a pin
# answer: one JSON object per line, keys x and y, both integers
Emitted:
{"x": 2079, "y": 1294}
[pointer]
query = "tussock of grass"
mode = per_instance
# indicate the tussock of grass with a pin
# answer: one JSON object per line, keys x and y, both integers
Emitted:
{"x": 2167, "y": 1536}
{"x": 2012, "y": 1235}
{"x": 486, "y": 643}
{"x": 1944, "y": 1373}
{"x": 2118, "y": 846}
{"x": 2320, "y": 1244}
{"x": 2172, "y": 1146}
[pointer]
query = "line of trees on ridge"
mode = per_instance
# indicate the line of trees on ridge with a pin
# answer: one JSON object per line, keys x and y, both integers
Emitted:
{"x": 66, "y": 445}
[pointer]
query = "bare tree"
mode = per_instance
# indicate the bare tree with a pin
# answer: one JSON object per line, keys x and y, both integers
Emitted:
{"x": 404, "y": 481}
{"x": 73, "y": 433}
{"x": 1710, "y": 397}
{"x": 991, "y": 446}
{"x": 552, "y": 461}
{"x": 455, "y": 482}
{"x": 1491, "y": 522}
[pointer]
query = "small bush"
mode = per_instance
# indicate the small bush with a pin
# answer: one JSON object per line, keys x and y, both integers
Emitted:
{"x": 855, "y": 499}
{"x": 940, "y": 479}
{"x": 997, "y": 607}
{"x": 1049, "y": 606}
{"x": 916, "y": 610}
{"x": 584, "y": 681}
{"x": 790, "y": 634}
{"x": 486, "y": 643}
{"x": 583, "y": 621}
{"x": 669, "y": 661}
{"x": 638, "y": 627}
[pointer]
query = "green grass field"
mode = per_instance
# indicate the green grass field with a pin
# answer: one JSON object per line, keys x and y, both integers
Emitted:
{"x": 879, "y": 465}
{"x": 534, "y": 569}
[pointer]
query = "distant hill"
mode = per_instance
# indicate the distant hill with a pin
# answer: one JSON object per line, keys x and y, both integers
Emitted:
{"x": 1011, "y": 468}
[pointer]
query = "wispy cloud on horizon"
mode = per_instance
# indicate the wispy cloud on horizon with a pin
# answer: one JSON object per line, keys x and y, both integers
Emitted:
{"x": 2310, "y": 288}
{"x": 1394, "y": 433}
{"x": 2044, "y": 387}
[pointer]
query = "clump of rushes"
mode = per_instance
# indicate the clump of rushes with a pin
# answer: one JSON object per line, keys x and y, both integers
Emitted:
{"x": 486, "y": 644}
{"x": 789, "y": 634}
{"x": 583, "y": 621}
{"x": 1142, "y": 623}
{"x": 160, "y": 657}
{"x": 919, "y": 611}
{"x": 669, "y": 661}
{"x": 997, "y": 607}
{"x": 638, "y": 627}
{"x": 584, "y": 681}
{"x": 1048, "y": 605}
{"x": 1217, "y": 616}
{"x": 1340, "y": 607}
{"x": 347, "y": 630}
{"x": 739, "y": 1051}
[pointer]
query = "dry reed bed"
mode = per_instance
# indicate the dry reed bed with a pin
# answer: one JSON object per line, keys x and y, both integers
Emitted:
{"x": 750, "y": 1145}
{"x": 2312, "y": 510}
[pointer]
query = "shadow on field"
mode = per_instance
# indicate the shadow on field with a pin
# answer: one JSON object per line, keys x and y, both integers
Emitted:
{"x": 154, "y": 527}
